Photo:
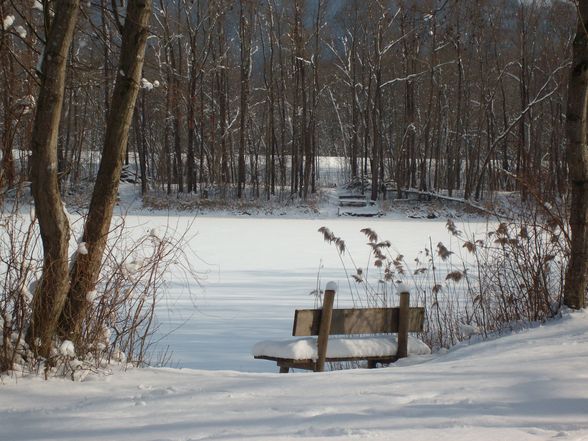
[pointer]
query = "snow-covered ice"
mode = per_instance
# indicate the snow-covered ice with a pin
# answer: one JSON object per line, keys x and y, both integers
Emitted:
{"x": 531, "y": 385}
{"x": 255, "y": 272}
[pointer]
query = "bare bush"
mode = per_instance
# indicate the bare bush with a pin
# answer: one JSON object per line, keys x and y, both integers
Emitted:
{"x": 19, "y": 260}
{"x": 131, "y": 284}
{"x": 122, "y": 318}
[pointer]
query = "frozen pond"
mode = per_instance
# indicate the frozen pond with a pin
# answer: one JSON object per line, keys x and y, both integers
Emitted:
{"x": 257, "y": 272}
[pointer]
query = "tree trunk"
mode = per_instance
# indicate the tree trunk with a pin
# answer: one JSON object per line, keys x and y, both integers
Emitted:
{"x": 85, "y": 270}
{"x": 7, "y": 167}
{"x": 577, "y": 157}
{"x": 50, "y": 293}
{"x": 246, "y": 25}
{"x": 142, "y": 147}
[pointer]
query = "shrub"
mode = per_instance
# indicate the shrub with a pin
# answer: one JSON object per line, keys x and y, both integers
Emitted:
{"x": 513, "y": 274}
{"x": 122, "y": 316}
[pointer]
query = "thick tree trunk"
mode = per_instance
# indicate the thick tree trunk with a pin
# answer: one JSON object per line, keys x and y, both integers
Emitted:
{"x": 85, "y": 271}
{"x": 577, "y": 157}
{"x": 51, "y": 291}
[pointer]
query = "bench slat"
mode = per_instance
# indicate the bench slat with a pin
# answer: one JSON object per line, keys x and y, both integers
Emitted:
{"x": 356, "y": 321}
{"x": 310, "y": 364}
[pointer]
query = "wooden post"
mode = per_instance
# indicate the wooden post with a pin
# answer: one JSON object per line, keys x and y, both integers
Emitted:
{"x": 403, "y": 321}
{"x": 325, "y": 326}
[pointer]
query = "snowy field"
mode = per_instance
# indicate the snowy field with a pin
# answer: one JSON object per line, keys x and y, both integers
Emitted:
{"x": 532, "y": 385}
{"x": 256, "y": 272}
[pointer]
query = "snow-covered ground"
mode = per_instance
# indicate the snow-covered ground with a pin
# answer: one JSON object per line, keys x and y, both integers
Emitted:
{"x": 532, "y": 385}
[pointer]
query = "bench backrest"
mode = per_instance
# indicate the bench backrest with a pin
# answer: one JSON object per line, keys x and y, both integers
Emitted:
{"x": 328, "y": 321}
{"x": 357, "y": 321}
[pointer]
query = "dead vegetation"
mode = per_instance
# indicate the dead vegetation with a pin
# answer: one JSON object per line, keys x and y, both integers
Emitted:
{"x": 510, "y": 276}
{"x": 121, "y": 318}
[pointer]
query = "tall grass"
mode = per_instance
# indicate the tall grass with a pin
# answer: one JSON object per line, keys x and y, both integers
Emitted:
{"x": 510, "y": 275}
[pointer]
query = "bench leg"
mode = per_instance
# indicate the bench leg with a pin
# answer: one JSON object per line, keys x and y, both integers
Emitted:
{"x": 284, "y": 369}
{"x": 372, "y": 364}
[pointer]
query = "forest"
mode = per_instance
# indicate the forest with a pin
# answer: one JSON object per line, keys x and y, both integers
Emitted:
{"x": 242, "y": 99}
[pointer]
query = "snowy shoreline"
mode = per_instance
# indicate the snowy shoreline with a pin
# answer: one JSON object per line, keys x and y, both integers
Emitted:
{"x": 530, "y": 385}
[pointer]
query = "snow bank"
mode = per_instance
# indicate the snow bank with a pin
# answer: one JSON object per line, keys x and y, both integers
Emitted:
{"x": 338, "y": 347}
{"x": 529, "y": 386}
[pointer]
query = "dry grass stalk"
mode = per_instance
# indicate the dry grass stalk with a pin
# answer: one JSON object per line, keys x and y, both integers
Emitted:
{"x": 513, "y": 275}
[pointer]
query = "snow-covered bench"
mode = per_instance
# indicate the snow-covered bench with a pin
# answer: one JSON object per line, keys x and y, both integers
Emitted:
{"x": 377, "y": 335}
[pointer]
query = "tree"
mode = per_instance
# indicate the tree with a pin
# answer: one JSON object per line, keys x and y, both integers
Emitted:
{"x": 246, "y": 25}
{"x": 577, "y": 158}
{"x": 51, "y": 291}
{"x": 85, "y": 270}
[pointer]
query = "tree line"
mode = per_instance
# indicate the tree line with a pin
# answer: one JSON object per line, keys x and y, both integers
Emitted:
{"x": 243, "y": 98}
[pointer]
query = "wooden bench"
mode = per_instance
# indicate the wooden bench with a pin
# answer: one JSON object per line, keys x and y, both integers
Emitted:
{"x": 353, "y": 201}
{"x": 349, "y": 322}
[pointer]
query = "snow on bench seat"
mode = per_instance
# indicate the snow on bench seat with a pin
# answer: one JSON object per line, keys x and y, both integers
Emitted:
{"x": 376, "y": 335}
{"x": 338, "y": 348}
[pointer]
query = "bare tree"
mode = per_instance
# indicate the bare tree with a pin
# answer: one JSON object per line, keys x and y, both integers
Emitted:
{"x": 85, "y": 270}
{"x": 577, "y": 157}
{"x": 246, "y": 26}
{"x": 470, "y": 100}
{"x": 51, "y": 291}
